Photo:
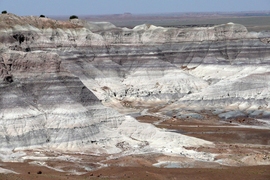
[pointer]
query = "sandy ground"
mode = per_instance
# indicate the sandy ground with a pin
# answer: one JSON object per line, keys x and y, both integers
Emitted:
{"x": 237, "y": 142}
{"x": 29, "y": 172}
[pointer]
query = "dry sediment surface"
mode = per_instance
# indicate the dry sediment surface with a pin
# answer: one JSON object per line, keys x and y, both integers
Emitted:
{"x": 224, "y": 173}
{"x": 82, "y": 97}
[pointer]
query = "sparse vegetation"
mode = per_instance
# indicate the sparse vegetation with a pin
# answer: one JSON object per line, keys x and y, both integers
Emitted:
{"x": 4, "y": 12}
{"x": 73, "y": 17}
{"x": 42, "y": 16}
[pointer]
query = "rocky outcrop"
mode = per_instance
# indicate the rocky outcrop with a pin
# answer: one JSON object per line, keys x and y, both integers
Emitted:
{"x": 44, "y": 106}
{"x": 47, "y": 100}
{"x": 57, "y": 76}
{"x": 148, "y": 63}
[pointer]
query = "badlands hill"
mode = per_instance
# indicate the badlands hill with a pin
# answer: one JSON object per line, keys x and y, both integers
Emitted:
{"x": 76, "y": 86}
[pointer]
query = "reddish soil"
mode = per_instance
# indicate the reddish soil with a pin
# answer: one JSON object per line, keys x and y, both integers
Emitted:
{"x": 148, "y": 173}
{"x": 231, "y": 142}
{"x": 215, "y": 131}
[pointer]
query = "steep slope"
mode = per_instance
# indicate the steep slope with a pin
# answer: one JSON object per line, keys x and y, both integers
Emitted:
{"x": 57, "y": 76}
{"x": 45, "y": 105}
{"x": 205, "y": 68}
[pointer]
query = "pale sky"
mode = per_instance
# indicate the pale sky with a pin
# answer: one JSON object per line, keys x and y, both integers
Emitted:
{"x": 96, "y": 7}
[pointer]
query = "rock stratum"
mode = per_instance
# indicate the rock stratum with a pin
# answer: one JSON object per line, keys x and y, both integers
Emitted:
{"x": 76, "y": 86}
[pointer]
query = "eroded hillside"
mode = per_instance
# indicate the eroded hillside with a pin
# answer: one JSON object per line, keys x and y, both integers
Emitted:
{"x": 76, "y": 86}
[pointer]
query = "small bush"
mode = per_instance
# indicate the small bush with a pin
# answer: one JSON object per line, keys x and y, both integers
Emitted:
{"x": 73, "y": 17}
{"x": 42, "y": 16}
{"x": 4, "y": 12}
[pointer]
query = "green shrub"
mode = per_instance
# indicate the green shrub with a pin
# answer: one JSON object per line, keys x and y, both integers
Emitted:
{"x": 4, "y": 12}
{"x": 73, "y": 17}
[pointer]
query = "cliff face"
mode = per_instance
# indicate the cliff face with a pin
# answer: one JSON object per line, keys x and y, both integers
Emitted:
{"x": 54, "y": 76}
